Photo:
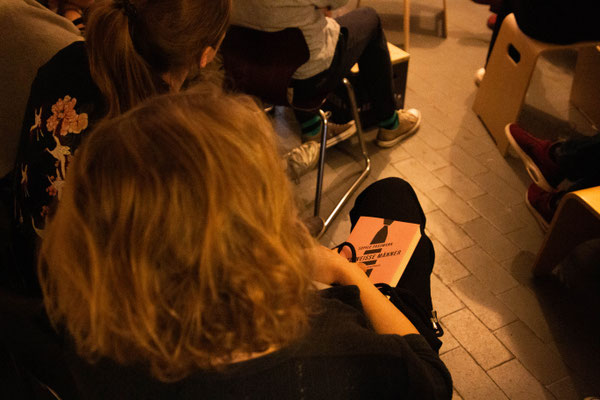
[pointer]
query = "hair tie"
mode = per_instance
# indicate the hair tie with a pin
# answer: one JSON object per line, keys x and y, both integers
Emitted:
{"x": 128, "y": 8}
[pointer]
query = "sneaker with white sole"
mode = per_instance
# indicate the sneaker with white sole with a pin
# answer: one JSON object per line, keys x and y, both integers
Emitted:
{"x": 479, "y": 74}
{"x": 408, "y": 123}
{"x": 536, "y": 155}
{"x": 542, "y": 204}
{"x": 336, "y": 133}
{"x": 302, "y": 159}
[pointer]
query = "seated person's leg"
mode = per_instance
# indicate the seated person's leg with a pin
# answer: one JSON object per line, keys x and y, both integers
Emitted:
{"x": 579, "y": 158}
{"x": 364, "y": 42}
{"x": 549, "y": 163}
{"x": 394, "y": 198}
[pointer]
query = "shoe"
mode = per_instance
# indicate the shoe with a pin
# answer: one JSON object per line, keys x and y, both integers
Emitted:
{"x": 302, "y": 159}
{"x": 479, "y": 74}
{"x": 408, "y": 123}
{"x": 542, "y": 204}
{"x": 491, "y": 21}
{"x": 336, "y": 133}
{"x": 535, "y": 154}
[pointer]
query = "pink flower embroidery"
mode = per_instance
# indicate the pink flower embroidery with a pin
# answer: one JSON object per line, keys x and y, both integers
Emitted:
{"x": 45, "y": 211}
{"x": 52, "y": 191}
{"x": 65, "y": 119}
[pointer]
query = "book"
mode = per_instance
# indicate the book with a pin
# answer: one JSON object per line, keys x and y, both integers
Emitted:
{"x": 385, "y": 246}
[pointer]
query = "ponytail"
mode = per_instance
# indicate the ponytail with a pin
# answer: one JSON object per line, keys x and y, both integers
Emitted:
{"x": 132, "y": 43}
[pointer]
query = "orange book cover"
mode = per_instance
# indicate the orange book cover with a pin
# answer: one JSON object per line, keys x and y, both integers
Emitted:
{"x": 384, "y": 246}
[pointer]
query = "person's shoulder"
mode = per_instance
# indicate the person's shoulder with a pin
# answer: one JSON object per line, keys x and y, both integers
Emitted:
{"x": 70, "y": 58}
{"x": 67, "y": 73}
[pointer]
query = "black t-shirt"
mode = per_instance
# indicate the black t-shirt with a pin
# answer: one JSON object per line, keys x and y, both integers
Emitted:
{"x": 340, "y": 358}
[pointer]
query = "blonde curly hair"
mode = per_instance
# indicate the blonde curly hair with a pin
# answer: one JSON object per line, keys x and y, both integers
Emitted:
{"x": 177, "y": 243}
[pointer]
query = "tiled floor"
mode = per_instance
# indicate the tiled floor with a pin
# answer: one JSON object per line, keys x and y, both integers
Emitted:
{"x": 507, "y": 335}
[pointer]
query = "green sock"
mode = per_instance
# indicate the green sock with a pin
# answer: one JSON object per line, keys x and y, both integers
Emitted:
{"x": 311, "y": 127}
{"x": 390, "y": 123}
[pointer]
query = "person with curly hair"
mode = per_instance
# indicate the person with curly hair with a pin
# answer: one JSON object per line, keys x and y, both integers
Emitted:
{"x": 176, "y": 271}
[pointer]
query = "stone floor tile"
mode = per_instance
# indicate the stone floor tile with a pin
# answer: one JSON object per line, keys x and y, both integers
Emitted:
{"x": 463, "y": 161}
{"x": 432, "y": 136}
{"x": 448, "y": 341}
{"x": 497, "y": 187}
{"x": 475, "y": 145}
{"x": 528, "y": 238}
{"x": 446, "y": 266}
{"x": 518, "y": 383}
{"x": 481, "y": 344}
{"x": 494, "y": 161}
{"x": 456, "y": 396}
{"x": 462, "y": 185}
{"x": 524, "y": 304}
{"x": 452, "y": 205}
{"x": 417, "y": 175}
{"x": 491, "y": 311}
{"x": 447, "y": 232}
{"x": 426, "y": 204}
{"x": 420, "y": 150}
{"x": 490, "y": 239}
{"x": 520, "y": 267}
{"x": 444, "y": 301}
{"x": 434, "y": 117}
{"x": 564, "y": 389}
{"x": 539, "y": 359}
{"x": 396, "y": 153}
{"x": 487, "y": 271}
{"x": 469, "y": 379}
{"x": 500, "y": 215}
{"x": 524, "y": 215}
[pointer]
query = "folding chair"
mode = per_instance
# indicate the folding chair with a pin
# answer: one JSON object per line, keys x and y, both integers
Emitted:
{"x": 262, "y": 64}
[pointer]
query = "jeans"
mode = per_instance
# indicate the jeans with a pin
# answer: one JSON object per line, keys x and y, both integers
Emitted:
{"x": 361, "y": 40}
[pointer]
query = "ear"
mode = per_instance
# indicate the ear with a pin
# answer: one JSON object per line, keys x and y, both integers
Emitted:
{"x": 207, "y": 56}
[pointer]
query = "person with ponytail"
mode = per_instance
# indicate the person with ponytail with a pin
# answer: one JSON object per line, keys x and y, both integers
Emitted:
{"x": 133, "y": 50}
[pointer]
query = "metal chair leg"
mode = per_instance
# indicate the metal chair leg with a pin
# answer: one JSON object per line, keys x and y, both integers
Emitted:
{"x": 367, "y": 161}
{"x": 321, "y": 165}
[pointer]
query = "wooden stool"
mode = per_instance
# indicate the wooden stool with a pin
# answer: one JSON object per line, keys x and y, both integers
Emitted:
{"x": 407, "y": 22}
{"x": 507, "y": 76}
{"x": 585, "y": 92}
{"x": 577, "y": 220}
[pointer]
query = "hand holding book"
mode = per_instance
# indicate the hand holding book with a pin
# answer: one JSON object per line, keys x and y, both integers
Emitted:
{"x": 384, "y": 246}
{"x": 332, "y": 268}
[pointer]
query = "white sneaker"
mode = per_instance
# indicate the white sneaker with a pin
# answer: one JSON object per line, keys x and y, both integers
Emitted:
{"x": 479, "y": 74}
{"x": 408, "y": 123}
{"x": 302, "y": 159}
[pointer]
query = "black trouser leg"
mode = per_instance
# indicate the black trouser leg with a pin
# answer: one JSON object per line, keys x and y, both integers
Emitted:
{"x": 394, "y": 198}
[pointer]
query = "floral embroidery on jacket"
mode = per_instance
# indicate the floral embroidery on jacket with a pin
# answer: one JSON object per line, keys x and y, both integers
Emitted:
{"x": 64, "y": 119}
{"x": 62, "y": 124}
{"x": 37, "y": 124}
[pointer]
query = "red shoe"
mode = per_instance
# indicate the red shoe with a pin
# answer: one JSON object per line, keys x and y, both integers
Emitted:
{"x": 491, "y": 22}
{"x": 542, "y": 204}
{"x": 535, "y": 153}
